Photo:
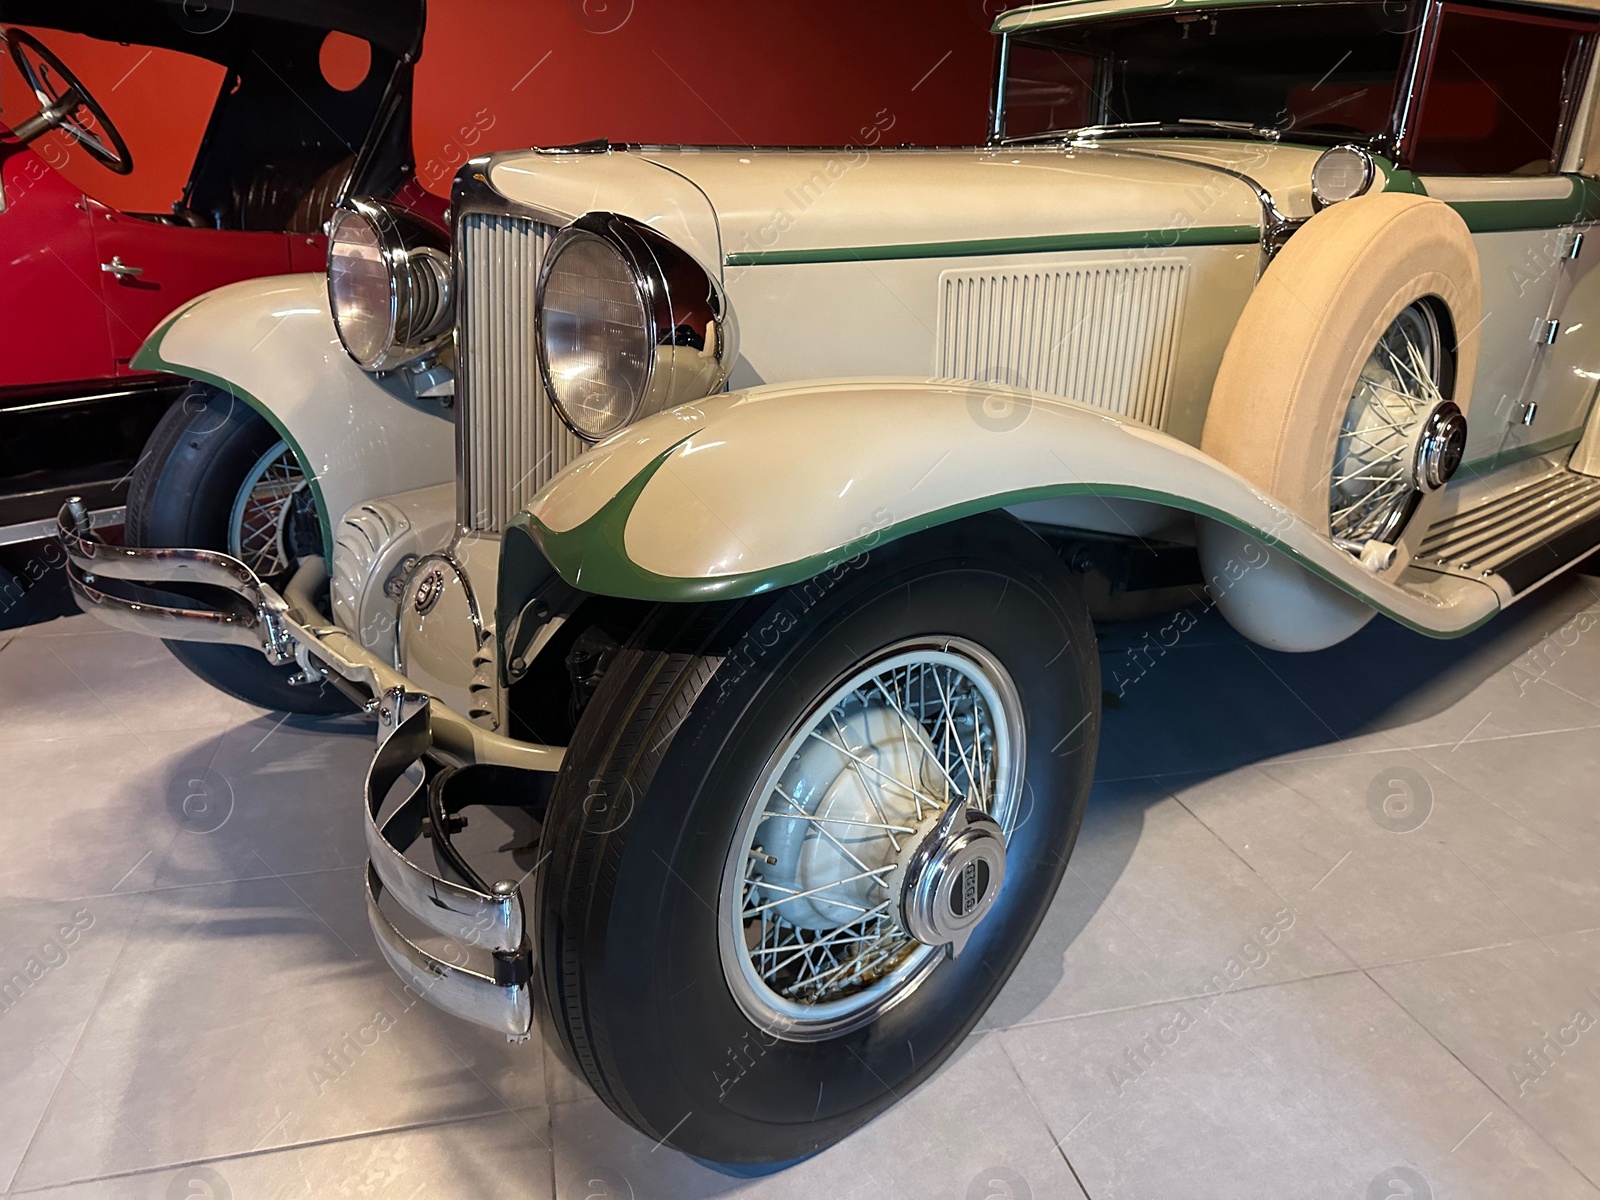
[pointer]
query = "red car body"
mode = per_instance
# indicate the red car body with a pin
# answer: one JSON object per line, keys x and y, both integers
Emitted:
{"x": 68, "y": 320}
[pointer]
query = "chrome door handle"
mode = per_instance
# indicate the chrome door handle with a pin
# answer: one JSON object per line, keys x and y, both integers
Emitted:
{"x": 120, "y": 269}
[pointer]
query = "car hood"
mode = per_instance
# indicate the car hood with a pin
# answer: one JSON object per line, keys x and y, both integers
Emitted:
{"x": 738, "y": 206}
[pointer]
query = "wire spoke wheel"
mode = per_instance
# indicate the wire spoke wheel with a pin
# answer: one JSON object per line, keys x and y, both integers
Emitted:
{"x": 810, "y": 908}
{"x": 1372, "y": 483}
{"x": 261, "y": 523}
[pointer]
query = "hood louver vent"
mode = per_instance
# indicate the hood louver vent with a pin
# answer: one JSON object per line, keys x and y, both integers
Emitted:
{"x": 1105, "y": 336}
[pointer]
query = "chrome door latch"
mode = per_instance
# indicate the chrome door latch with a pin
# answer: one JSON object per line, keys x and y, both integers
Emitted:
{"x": 121, "y": 269}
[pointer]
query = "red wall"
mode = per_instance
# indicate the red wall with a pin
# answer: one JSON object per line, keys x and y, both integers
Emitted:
{"x": 497, "y": 74}
{"x": 698, "y": 71}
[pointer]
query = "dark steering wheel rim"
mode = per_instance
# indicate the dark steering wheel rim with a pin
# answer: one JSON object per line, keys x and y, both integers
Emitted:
{"x": 114, "y": 157}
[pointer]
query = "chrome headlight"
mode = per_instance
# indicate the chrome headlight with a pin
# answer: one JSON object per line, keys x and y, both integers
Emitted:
{"x": 628, "y": 324}
{"x": 1342, "y": 173}
{"x": 388, "y": 284}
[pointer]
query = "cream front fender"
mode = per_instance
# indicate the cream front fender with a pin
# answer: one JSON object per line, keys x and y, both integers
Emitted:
{"x": 272, "y": 344}
{"x": 760, "y": 489}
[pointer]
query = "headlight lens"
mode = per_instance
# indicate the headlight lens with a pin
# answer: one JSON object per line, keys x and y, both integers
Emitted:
{"x": 595, "y": 337}
{"x": 1341, "y": 174}
{"x": 389, "y": 284}
{"x": 358, "y": 287}
{"x": 628, "y": 324}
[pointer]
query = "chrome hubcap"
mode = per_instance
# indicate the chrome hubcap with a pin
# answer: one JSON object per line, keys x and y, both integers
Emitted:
{"x": 1400, "y": 435}
{"x": 875, "y": 843}
{"x": 951, "y": 878}
{"x": 258, "y": 527}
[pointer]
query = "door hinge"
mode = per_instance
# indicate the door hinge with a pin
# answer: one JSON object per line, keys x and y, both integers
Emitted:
{"x": 1545, "y": 332}
{"x": 1576, "y": 248}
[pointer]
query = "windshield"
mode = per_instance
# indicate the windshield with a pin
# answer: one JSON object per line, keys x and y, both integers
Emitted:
{"x": 1324, "y": 71}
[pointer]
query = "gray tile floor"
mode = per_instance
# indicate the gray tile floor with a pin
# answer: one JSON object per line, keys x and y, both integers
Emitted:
{"x": 1332, "y": 930}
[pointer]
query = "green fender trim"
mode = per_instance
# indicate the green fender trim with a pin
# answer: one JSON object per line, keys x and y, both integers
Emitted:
{"x": 149, "y": 359}
{"x": 1132, "y": 239}
{"x": 593, "y": 556}
{"x": 1582, "y": 207}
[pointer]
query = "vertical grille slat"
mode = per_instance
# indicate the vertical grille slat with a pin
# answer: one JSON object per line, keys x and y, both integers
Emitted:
{"x": 512, "y": 441}
{"x": 1107, "y": 336}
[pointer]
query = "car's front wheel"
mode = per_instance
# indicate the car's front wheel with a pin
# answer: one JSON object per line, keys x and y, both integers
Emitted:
{"x": 801, "y": 841}
{"x": 216, "y": 476}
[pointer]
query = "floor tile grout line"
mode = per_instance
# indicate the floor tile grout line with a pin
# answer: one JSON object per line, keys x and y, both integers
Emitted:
{"x": 173, "y": 887}
{"x": 94, "y": 1008}
{"x": 100, "y": 995}
{"x": 1049, "y": 1129}
{"x": 1500, "y": 900}
{"x": 1162, "y": 1003}
{"x": 276, "y": 878}
{"x": 1570, "y": 692}
{"x": 1292, "y": 757}
{"x": 1490, "y": 801}
{"x": 1265, "y": 882}
{"x": 482, "y": 1082}
{"x": 1484, "y": 1083}
{"x": 335, "y": 1140}
{"x": 1311, "y": 800}
{"x": 115, "y": 715}
{"x": 77, "y": 1042}
{"x": 1424, "y": 958}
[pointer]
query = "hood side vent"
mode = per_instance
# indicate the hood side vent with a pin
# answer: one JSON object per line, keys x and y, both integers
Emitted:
{"x": 1105, "y": 335}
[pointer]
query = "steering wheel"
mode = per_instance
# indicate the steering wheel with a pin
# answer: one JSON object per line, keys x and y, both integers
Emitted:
{"x": 65, "y": 104}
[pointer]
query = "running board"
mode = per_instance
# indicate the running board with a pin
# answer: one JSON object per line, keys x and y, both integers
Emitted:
{"x": 1518, "y": 539}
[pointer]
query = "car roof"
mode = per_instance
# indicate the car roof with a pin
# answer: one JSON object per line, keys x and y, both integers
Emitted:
{"x": 1059, "y": 12}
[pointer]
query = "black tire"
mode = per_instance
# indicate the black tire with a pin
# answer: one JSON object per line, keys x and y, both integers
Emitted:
{"x": 182, "y": 495}
{"x": 661, "y": 766}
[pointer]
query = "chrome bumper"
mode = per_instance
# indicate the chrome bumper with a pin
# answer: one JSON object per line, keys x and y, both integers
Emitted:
{"x": 415, "y": 730}
{"x": 470, "y": 914}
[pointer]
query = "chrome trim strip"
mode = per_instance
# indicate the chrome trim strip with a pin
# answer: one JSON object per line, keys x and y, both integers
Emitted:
{"x": 1276, "y": 229}
{"x": 1412, "y": 77}
{"x": 33, "y": 531}
{"x": 209, "y": 568}
{"x": 155, "y": 620}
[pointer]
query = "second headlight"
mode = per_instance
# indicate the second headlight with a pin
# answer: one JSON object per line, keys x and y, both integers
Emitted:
{"x": 388, "y": 284}
{"x": 629, "y": 324}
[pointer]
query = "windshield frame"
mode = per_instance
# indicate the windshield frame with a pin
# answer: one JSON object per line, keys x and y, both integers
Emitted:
{"x": 1401, "y": 118}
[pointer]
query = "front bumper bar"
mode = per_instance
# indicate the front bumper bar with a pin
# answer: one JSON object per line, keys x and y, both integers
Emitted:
{"x": 420, "y": 740}
{"x": 469, "y": 914}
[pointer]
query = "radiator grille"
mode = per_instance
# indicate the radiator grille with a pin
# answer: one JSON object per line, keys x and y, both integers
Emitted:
{"x": 1106, "y": 336}
{"x": 512, "y": 442}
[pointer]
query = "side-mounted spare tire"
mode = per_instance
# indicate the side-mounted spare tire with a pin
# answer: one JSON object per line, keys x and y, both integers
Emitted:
{"x": 216, "y": 476}
{"x": 1335, "y": 398}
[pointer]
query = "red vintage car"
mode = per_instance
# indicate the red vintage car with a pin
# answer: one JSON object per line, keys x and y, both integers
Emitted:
{"x": 308, "y": 98}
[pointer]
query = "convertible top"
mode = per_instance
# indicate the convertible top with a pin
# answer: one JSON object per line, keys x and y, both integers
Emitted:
{"x": 1060, "y": 12}
{"x": 280, "y": 133}
{"x": 225, "y": 30}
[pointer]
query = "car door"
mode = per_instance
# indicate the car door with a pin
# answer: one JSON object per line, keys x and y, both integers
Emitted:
{"x": 147, "y": 269}
{"x": 1497, "y": 94}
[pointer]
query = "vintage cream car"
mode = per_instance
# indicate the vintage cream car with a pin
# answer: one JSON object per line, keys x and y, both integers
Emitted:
{"x": 783, "y": 482}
